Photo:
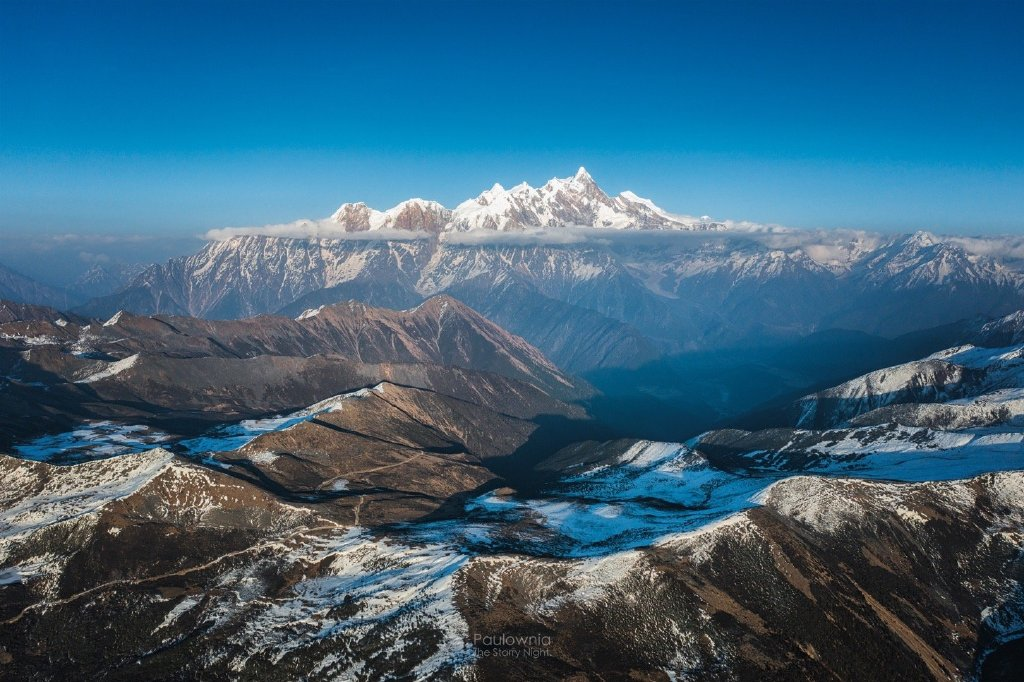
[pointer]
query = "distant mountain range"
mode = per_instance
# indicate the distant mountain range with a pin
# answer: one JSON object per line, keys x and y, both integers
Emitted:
{"x": 575, "y": 201}
{"x": 99, "y": 280}
{"x": 636, "y": 284}
{"x": 19, "y": 288}
{"x": 594, "y": 281}
{"x": 104, "y": 278}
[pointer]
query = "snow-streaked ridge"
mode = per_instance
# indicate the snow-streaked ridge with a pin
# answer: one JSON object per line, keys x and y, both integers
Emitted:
{"x": 309, "y": 312}
{"x": 76, "y": 491}
{"x": 111, "y": 369}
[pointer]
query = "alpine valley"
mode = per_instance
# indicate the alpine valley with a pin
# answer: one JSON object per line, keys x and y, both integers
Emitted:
{"x": 547, "y": 434}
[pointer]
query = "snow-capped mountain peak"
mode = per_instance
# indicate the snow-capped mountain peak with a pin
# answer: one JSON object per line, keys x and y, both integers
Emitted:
{"x": 582, "y": 181}
{"x": 411, "y": 214}
{"x": 494, "y": 193}
{"x": 633, "y": 198}
{"x": 561, "y": 202}
{"x": 921, "y": 238}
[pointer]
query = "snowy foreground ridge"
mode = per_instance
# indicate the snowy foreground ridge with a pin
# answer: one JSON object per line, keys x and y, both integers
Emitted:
{"x": 900, "y": 528}
{"x": 409, "y": 591}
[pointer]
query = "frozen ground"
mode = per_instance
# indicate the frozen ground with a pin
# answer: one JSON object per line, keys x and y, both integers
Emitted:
{"x": 92, "y": 440}
{"x": 102, "y": 439}
{"x": 658, "y": 490}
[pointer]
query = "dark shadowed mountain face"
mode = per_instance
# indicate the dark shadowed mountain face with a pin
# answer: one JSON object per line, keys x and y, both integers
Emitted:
{"x": 11, "y": 311}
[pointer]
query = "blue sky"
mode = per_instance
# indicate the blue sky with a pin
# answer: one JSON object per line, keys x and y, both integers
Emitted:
{"x": 170, "y": 118}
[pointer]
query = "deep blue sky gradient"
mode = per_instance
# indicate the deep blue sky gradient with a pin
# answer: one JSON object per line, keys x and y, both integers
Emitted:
{"x": 176, "y": 117}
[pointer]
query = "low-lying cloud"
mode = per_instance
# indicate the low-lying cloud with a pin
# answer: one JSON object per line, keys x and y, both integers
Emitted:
{"x": 825, "y": 246}
{"x": 539, "y": 237}
{"x": 314, "y": 229}
{"x": 831, "y": 247}
{"x": 1000, "y": 248}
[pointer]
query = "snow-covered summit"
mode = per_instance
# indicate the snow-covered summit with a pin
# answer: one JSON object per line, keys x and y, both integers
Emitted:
{"x": 560, "y": 202}
{"x": 412, "y": 214}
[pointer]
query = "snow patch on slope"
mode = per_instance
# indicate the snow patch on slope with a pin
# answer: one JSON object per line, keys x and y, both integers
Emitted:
{"x": 115, "y": 319}
{"x": 111, "y": 369}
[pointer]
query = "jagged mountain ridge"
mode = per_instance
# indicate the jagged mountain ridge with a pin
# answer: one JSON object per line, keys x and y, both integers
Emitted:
{"x": 441, "y": 331}
{"x": 659, "y": 298}
{"x": 568, "y": 202}
{"x": 183, "y": 374}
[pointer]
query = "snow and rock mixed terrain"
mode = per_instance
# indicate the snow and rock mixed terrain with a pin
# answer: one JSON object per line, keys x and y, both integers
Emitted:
{"x": 397, "y": 532}
{"x": 962, "y": 385}
{"x": 781, "y": 576}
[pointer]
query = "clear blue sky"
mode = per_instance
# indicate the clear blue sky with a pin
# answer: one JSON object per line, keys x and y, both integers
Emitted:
{"x": 175, "y": 117}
